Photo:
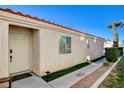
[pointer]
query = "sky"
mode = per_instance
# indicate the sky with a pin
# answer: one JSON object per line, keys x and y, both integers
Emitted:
{"x": 92, "y": 19}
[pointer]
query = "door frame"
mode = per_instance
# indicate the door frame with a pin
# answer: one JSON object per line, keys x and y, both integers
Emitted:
{"x": 30, "y": 50}
{"x": 36, "y": 41}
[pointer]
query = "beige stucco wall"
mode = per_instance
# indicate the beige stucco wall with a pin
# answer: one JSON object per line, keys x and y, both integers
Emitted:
{"x": 108, "y": 44}
{"x": 35, "y": 66}
{"x": 45, "y": 39}
{"x": 4, "y": 65}
{"x": 96, "y": 48}
{"x": 53, "y": 61}
{"x": 45, "y": 49}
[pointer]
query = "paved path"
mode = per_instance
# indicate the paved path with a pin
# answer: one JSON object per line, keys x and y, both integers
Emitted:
{"x": 71, "y": 78}
{"x": 65, "y": 81}
{"x": 30, "y": 82}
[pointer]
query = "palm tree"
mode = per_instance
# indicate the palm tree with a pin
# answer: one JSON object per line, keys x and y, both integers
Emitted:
{"x": 114, "y": 26}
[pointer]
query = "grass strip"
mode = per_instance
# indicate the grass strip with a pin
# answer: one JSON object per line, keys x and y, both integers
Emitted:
{"x": 60, "y": 73}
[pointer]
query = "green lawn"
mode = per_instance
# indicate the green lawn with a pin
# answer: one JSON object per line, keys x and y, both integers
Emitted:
{"x": 116, "y": 77}
{"x": 58, "y": 74}
{"x": 121, "y": 62}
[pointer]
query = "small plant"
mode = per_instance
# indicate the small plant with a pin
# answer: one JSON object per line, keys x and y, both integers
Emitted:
{"x": 106, "y": 63}
{"x": 90, "y": 62}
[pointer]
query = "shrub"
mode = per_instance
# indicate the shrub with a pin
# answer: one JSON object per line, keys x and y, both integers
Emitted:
{"x": 120, "y": 51}
{"x": 111, "y": 54}
{"x": 106, "y": 63}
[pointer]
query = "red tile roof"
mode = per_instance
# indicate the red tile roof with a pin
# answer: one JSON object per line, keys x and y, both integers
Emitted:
{"x": 38, "y": 19}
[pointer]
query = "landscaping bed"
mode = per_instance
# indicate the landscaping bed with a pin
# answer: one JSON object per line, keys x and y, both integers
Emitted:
{"x": 116, "y": 77}
{"x": 89, "y": 80}
{"x": 60, "y": 73}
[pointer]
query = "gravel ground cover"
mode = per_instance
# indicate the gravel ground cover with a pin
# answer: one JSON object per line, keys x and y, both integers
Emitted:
{"x": 115, "y": 78}
{"x": 89, "y": 80}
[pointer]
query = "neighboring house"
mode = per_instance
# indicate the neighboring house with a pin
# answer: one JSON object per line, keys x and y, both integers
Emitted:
{"x": 108, "y": 44}
{"x": 31, "y": 44}
{"x": 121, "y": 44}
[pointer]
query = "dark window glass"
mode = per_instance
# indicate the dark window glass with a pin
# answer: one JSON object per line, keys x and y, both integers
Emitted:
{"x": 64, "y": 45}
{"x": 88, "y": 44}
{"x": 62, "y": 42}
{"x": 68, "y": 45}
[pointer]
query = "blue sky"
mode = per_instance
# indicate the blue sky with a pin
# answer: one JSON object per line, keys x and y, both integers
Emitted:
{"x": 90, "y": 19}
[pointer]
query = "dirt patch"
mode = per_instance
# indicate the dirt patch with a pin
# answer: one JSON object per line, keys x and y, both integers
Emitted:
{"x": 89, "y": 80}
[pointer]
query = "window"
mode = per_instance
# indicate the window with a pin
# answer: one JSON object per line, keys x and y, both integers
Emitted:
{"x": 95, "y": 39}
{"x": 88, "y": 44}
{"x": 65, "y": 45}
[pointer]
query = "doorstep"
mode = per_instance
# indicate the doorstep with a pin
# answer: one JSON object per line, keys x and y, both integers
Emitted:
{"x": 70, "y": 79}
{"x": 30, "y": 82}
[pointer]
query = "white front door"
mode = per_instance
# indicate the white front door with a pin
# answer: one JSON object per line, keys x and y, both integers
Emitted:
{"x": 19, "y": 51}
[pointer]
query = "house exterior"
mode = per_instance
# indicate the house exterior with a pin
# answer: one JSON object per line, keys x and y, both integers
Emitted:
{"x": 121, "y": 44}
{"x": 31, "y": 44}
{"x": 108, "y": 44}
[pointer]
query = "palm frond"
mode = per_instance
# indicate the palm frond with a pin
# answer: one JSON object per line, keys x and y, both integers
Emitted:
{"x": 116, "y": 25}
{"x": 110, "y": 26}
{"x": 119, "y": 24}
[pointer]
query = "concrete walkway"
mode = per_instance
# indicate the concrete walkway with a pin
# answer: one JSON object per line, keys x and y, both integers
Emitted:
{"x": 30, "y": 82}
{"x": 65, "y": 81}
{"x": 71, "y": 78}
